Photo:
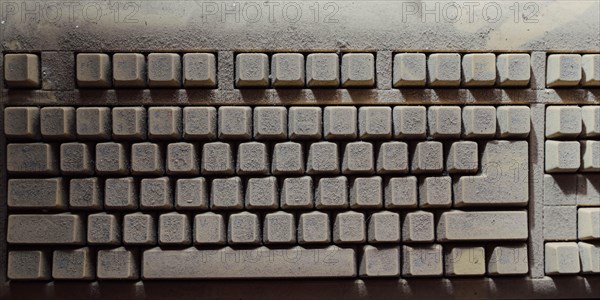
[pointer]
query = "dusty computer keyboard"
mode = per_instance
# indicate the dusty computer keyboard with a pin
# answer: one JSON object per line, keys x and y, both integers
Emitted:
{"x": 167, "y": 157}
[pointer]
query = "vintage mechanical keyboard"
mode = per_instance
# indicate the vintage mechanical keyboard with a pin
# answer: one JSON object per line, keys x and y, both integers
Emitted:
{"x": 308, "y": 150}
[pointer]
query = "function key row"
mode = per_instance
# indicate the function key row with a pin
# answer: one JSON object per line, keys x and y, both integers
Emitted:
{"x": 274, "y": 123}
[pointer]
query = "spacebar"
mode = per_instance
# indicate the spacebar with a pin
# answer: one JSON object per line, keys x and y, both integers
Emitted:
{"x": 261, "y": 262}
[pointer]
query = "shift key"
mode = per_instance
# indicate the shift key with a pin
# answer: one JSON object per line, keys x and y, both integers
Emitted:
{"x": 482, "y": 225}
{"x": 60, "y": 229}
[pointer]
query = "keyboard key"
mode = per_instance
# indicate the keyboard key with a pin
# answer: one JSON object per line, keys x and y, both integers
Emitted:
{"x": 479, "y": 69}
{"x": 588, "y": 189}
{"x": 28, "y": 265}
{"x": 358, "y": 158}
{"x": 313, "y": 228}
{"x": 226, "y": 193}
{"x": 482, "y": 225}
{"x": 561, "y": 258}
{"x": 199, "y": 123}
{"x": 590, "y": 116}
{"x": 139, "y": 229}
{"x": 562, "y": 157}
{"x": 590, "y": 156}
{"x": 380, "y": 261}
{"x": 410, "y": 122}
{"x": 305, "y": 123}
{"x": 103, "y": 229}
{"x": 93, "y": 70}
{"x": 428, "y": 157}
{"x": 563, "y": 70}
{"x": 339, "y": 122}
{"x": 155, "y": 193}
{"x": 173, "y": 264}
{"x": 297, "y": 193}
{"x": 93, "y": 123}
{"x": 322, "y": 70}
{"x": 464, "y": 261}
{"x": 418, "y": 226}
{"x": 514, "y": 69}
{"x": 58, "y": 123}
{"x": 252, "y": 70}
{"x": 358, "y": 70}
{"x": 384, "y": 227}
{"x": 513, "y": 121}
{"x": 76, "y": 159}
{"x": 86, "y": 193}
{"x": 563, "y": 121}
{"x": 209, "y": 228}
{"x": 509, "y": 259}
{"x": 422, "y": 261}
{"x": 164, "y": 123}
{"x": 288, "y": 159}
{"x": 31, "y": 158}
{"x": 120, "y": 194}
{"x": 235, "y": 123}
{"x": 129, "y": 70}
{"x": 435, "y": 192}
{"x": 588, "y": 221}
{"x": 287, "y": 70}
{"x": 73, "y": 264}
{"x": 111, "y": 159}
{"x": 243, "y": 228}
{"x": 444, "y": 69}
{"x": 444, "y": 122}
{"x": 147, "y": 159}
{"x": 270, "y": 123}
{"x": 590, "y": 64}
{"x": 262, "y": 193}
{"x": 22, "y": 123}
{"x": 118, "y": 263}
{"x": 60, "y": 229}
{"x": 409, "y": 70}
{"x": 375, "y": 122}
{"x": 349, "y": 227}
{"x": 366, "y": 192}
{"x": 191, "y": 193}
{"x": 37, "y": 194}
{"x": 129, "y": 123}
{"x": 174, "y": 229}
{"x": 479, "y": 122}
{"x": 323, "y": 159}
{"x": 164, "y": 70}
{"x": 279, "y": 228}
{"x": 252, "y": 159}
{"x": 182, "y": 159}
{"x": 217, "y": 159}
{"x": 401, "y": 192}
{"x": 463, "y": 157}
{"x": 332, "y": 193}
{"x": 589, "y": 255}
{"x": 199, "y": 70}
{"x": 22, "y": 70}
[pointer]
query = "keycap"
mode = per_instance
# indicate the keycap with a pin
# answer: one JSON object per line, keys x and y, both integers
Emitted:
{"x": 235, "y": 123}
{"x": 482, "y": 225}
{"x": 59, "y": 229}
{"x": 22, "y": 123}
{"x": 28, "y": 193}
{"x": 199, "y": 123}
{"x": 380, "y": 261}
{"x": 590, "y": 156}
{"x": 444, "y": 122}
{"x": 164, "y": 70}
{"x": 560, "y": 223}
{"x": 513, "y": 121}
{"x": 226, "y": 193}
{"x": 288, "y": 159}
{"x": 262, "y": 193}
{"x": 253, "y": 159}
{"x": 323, "y": 158}
{"x": 191, "y": 194}
{"x": 103, "y": 229}
{"x": 464, "y": 261}
{"x": 209, "y": 228}
{"x": 118, "y": 263}
{"x": 322, "y": 70}
{"x": 358, "y": 70}
{"x": 561, "y": 258}
{"x": 479, "y": 69}
{"x": 173, "y": 264}
{"x": 366, "y": 192}
{"x": 384, "y": 227}
{"x": 563, "y": 70}
{"x": 588, "y": 189}
{"x": 514, "y": 69}
{"x": 147, "y": 159}
{"x": 111, "y": 159}
{"x": 28, "y": 265}
{"x": 588, "y": 223}
{"x": 217, "y": 159}
{"x": 243, "y": 228}
{"x": 93, "y": 70}
{"x": 270, "y": 123}
{"x": 563, "y": 121}
{"x": 120, "y": 194}
{"x": 305, "y": 123}
{"x": 349, "y": 227}
{"x": 58, "y": 123}
{"x": 199, "y": 70}
{"x": 401, "y": 192}
{"x": 22, "y": 70}
{"x": 339, "y": 122}
{"x": 462, "y": 157}
{"x": 139, "y": 229}
{"x": 418, "y": 226}
{"x": 182, "y": 159}
{"x": 332, "y": 193}
{"x": 174, "y": 229}
{"x": 155, "y": 193}
{"x": 86, "y": 193}
{"x": 590, "y": 64}
{"x": 164, "y": 123}
{"x": 129, "y": 123}
{"x": 560, "y": 189}
{"x": 392, "y": 158}
{"x": 76, "y": 159}
{"x": 427, "y": 157}
{"x": 287, "y": 70}
{"x": 590, "y": 116}
{"x": 73, "y": 264}
{"x": 410, "y": 122}
{"x": 252, "y": 70}
{"x": 444, "y": 69}
{"x": 562, "y": 156}
{"x": 409, "y": 70}
{"x": 313, "y": 228}
{"x": 358, "y": 158}
{"x": 435, "y": 192}
{"x": 31, "y": 158}
{"x": 589, "y": 255}
{"x": 297, "y": 193}
{"x": 420, "y": 261}
{"x": 479, "y": 121}
{"x": 489, "y": 188}
{"x": 510, "y": 259}
{"x": 129, "y": 70}
{"x": 279, "y": 228}
{"x": 93, "y": 123}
